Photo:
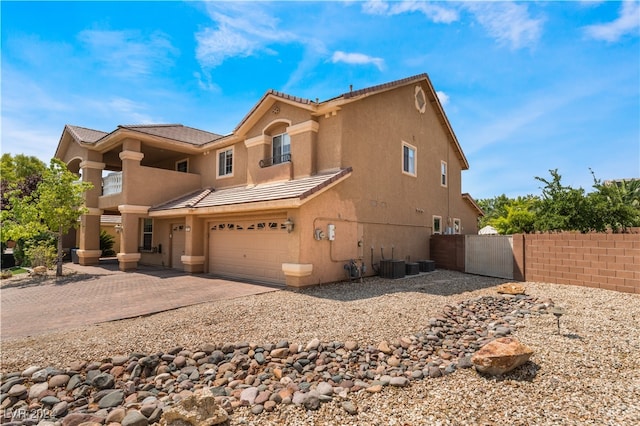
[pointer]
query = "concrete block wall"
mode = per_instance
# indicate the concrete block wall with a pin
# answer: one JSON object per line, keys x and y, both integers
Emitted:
{"x": 609, "y": 261}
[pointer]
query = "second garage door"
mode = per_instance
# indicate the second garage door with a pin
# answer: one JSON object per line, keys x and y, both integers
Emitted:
{"x": 252, "y": 250}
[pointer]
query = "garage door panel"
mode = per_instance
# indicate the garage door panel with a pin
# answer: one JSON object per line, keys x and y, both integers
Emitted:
{"x": 248, "y": 251}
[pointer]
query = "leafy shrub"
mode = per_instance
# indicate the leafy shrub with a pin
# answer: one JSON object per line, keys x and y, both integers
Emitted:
{"x": 106, "y": 244}
{"x": 41, "y": 253}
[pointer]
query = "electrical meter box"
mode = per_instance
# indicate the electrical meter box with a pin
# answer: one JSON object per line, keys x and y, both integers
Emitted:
{"x": 331, "y": 232}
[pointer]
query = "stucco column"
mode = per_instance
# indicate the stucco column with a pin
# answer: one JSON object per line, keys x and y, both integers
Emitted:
{"x": 193, "y": 258}
{"x": 256, "y": 151}
{"x": 89, "y": 241}
{"x": 130, "y": 236}
{"x": 303, "y": 147}
{"x": 131, "y": 158}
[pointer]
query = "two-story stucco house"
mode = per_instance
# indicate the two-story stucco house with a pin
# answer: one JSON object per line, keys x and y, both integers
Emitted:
{"x": 297, "y": 190}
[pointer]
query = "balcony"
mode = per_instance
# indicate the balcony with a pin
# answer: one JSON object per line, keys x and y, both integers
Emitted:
{"x": 278, "y": 159}
{"x": 112, "y": 183}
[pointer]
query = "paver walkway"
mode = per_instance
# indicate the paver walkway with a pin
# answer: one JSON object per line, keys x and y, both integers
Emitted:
{"x": 103, "y": 293}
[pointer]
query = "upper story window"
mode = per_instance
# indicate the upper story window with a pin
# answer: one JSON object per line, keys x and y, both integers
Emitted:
{"x": 225, "y": 162}
{"x": 457, "y": 227}
{"x": 443, "y": 173}
{"x": 182, "y": 166}
{"x": 281, "y": 148}
{"x": 408, "y": 159}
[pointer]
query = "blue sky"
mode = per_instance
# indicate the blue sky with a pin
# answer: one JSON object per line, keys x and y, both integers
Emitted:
{"x": 527, "y": 86}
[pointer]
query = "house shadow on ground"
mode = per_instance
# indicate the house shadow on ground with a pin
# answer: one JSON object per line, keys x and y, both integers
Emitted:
{"x": 437, "y": 283}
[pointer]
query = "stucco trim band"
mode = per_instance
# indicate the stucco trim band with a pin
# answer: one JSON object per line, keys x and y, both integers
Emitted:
{"x": 89, "y": 253}
{"x": 128, "y": 257}
{"x": 297, "y": 269}
{"x": 131, "y": 155}
{"x": 92, "y": 165}
{"x": 192, "y": 260}
{"x": 305, "y": 126}
{"x": 92, "y": 211}
{"x": 258, "y": 140}
{"x": 129, "y": 208}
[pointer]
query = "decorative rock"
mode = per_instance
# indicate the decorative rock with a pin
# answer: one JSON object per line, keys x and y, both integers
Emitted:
{"x": 116, "y": 415}
{"x": 312, "y": 401}
{"x": 350, "y": 407}
{"x": 384, "y": 347}
{"x": 74, "y": 419}
{"x": 103, "y": 381}
{"x": 374, "y": 389}
{"x": 30, "y": 370}
{"x": 37, "y": 389}
{"x": 18, "y": 391}
{"x": 60, "y": 409}
{"x": 511, "y": 288}
{"x": 280, "y": 352}
{"x": 312, "y": 345}
{"x": 257, "y": 409}
{"x": 112, "y": 399}
{"x": 199, "y": 409}
{"x": 399, "y": 381}
{"x": 134, "y": 418}
{"x": 324, "y": 388}
{"x": 501, "y": 356}
{"x": 59, "y": 380}
{"x": 249, "y": 395}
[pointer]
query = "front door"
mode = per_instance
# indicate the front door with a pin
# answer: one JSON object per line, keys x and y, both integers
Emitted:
{"x": 177, "y": 245}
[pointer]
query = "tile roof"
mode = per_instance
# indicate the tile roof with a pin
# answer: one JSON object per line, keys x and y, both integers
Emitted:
{"x": 83, "y": 134}
{"x": 298, "y": 188}
{"x": 176, "y": 132}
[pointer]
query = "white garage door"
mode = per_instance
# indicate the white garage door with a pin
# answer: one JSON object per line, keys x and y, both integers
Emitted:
{"x": 251, "y": 250}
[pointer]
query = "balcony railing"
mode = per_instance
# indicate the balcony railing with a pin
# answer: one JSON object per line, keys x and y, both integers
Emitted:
{"x": 112, "y": 183}
{"x": 267, "y": 162}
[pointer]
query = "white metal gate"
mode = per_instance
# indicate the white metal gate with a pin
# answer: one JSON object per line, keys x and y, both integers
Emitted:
{"x": 490, "y": 255}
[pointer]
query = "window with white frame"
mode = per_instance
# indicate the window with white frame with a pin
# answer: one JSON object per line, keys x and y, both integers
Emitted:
{"x": 408, "y": 159}
{"x": 182, "y": 166}
{"x": 225, "y": 162}
{"x": 437, "y": 224}
{"x": 457, "y": 228}
{"x": 147, "y": 234}
{"x": 443, "y": 173}
{"x": 281, "y": 148}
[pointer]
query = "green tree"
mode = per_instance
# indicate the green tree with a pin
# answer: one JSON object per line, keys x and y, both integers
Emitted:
{"x": 53, "y": 208}
{"x": 520, "y": 217}
{"x": 563, "y": 208}
{"x": 20, "y": 173}
{"x": 614, "y": 205}
{"x": 493, "y": 209}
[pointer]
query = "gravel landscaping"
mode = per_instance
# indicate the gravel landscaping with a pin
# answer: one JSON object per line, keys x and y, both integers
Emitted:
{"x": 382, "y": 352}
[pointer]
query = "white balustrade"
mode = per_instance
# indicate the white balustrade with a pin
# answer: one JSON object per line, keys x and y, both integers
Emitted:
{"x": 112, "y": 183}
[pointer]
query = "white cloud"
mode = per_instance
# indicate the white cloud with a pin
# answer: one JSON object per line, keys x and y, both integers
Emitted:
{"x": 243, "y": 29}
{"x": 509, "y": 23}
{"x": 129, "y": 53}
{"x": 357, "y": 59}
{"x": 433, "y": 11}
{"x": 627, "y": 23}
{"x": 442, "y": 97}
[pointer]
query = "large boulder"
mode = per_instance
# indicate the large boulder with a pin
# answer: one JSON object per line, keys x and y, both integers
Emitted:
{"x": 199, "y": 409}
{"x": 501, "y": 356}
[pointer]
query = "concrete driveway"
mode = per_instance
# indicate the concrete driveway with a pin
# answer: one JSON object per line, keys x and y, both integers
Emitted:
{"x": 102, "y": 293}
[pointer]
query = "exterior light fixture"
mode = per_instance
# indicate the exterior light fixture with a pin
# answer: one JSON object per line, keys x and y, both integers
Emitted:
{"x": 289, "y": 225}
{"x": 187, "y": 228}
{"x": 558, "y": 311}
{"x": 118, "y": 228}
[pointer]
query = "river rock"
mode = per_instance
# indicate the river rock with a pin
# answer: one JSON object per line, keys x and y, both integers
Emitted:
{"x": 134, "y": 418}
{"x": 511, "y": 288}
{"x": 501, "y": 356}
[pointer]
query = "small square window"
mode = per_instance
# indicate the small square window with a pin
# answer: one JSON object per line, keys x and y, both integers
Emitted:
{"x": 182, "y": 166}
{"x": 443, "y": 173}
{"x": 225, "y": 162}
{"x": 408, "y": 159}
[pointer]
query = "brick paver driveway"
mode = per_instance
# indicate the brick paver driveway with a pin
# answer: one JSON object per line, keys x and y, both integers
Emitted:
{"x": 102, "y": 293}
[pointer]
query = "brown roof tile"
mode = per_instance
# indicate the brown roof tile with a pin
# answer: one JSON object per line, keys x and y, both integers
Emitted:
{"x": 176, "y": 132}
{"x": 83, "y": 134}
{"x": 298, "y": 188}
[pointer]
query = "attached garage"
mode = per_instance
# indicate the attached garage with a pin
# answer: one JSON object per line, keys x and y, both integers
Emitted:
{"x": 249, "y": 249}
